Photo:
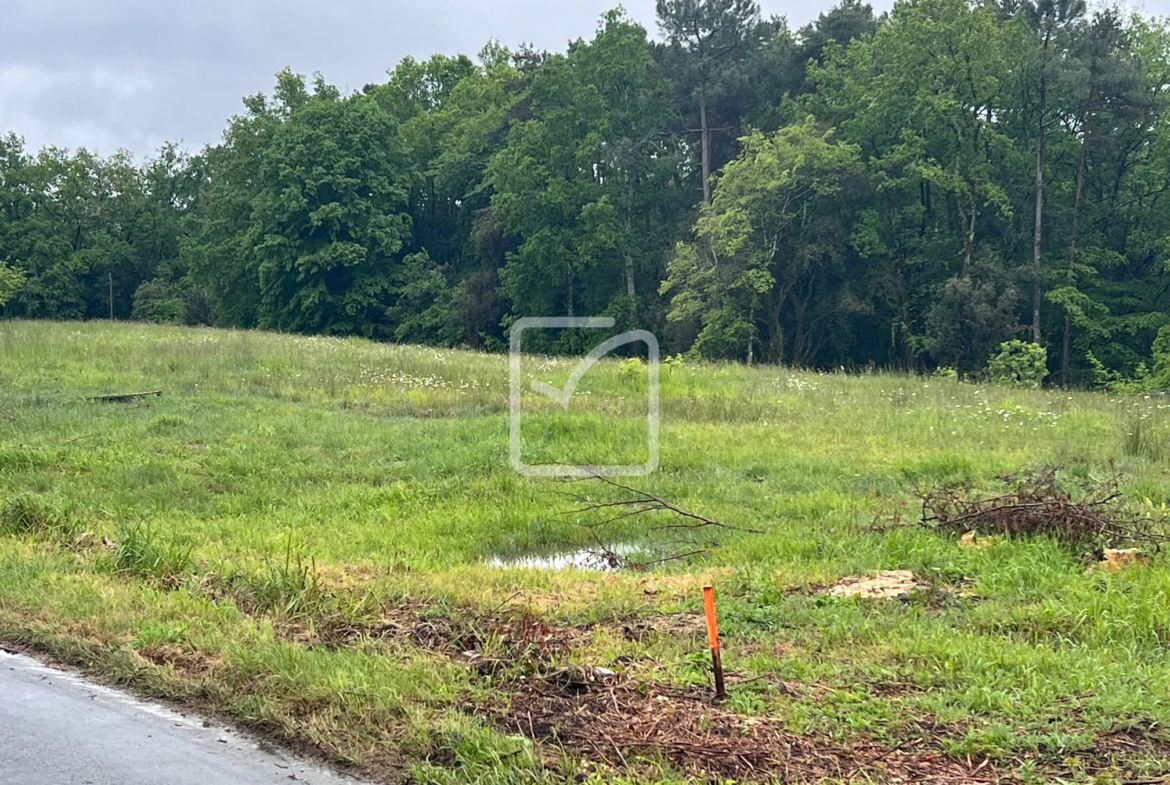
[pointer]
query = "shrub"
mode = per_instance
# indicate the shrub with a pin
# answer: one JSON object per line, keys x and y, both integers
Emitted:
{"x": 632, "y": 366}
{"x": 1019, "y": 363}
{"x": 970, "y": 315}
{"x": 157, "y": 301}
{"x": 1159, "y": 378}
{"x": 1119, "y": 382}
{"x": 11, "y": 279}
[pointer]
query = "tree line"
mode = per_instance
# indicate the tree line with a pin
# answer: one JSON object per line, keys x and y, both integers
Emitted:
{"x": 904, "y": 191}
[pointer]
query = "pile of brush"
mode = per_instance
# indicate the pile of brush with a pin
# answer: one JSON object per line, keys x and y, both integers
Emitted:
{"x": 1038, "y": 504}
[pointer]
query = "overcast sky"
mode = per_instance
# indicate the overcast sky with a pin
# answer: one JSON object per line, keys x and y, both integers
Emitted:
{"x": 135, "y": 73}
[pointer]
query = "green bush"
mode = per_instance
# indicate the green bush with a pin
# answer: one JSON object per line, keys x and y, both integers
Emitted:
{"x": 157, "y": 301}
{"x": 633, "y": 366}
{"x": 1117, "y": 381}
{"x": 11, "y": 279}
{"x": 1159, "y": 378}
{"x": 1019, "y": 363}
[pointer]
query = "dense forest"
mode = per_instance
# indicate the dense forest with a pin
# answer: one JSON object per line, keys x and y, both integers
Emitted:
{"x": 904, "y": 191}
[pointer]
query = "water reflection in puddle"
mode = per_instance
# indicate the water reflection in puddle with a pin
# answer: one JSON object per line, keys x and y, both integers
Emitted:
{"x": 589, "y": 558}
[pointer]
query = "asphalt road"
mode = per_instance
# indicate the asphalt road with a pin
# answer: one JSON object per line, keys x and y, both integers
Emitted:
{"x": 58, "y": 729}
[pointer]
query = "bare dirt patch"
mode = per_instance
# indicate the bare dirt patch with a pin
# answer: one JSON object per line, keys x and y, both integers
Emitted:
{"x": 612, "y": 721}
{"x": 460, "y": 633}
{"x": 885, "y": 585}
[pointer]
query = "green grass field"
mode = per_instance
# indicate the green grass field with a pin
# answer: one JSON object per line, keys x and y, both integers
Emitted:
{"x": 297, "y": 535}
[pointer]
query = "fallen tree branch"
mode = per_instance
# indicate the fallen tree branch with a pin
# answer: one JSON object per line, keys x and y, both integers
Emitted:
{"x": 643, "y": 502}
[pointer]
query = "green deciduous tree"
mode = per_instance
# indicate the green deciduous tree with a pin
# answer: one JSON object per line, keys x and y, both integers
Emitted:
{"x": 329, "y": 218}
{"x": 772, "y": 239}
{"x": 587, "y": 181}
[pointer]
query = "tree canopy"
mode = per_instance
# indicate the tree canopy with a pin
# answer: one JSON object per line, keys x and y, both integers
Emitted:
{"x": 905, "y": 191}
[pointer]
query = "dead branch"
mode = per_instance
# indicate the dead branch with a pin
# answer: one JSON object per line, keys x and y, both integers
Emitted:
{"x": 642, "y": 503}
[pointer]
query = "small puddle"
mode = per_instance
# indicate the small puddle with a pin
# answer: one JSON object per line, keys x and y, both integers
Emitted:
{"x": 609, "y": 557}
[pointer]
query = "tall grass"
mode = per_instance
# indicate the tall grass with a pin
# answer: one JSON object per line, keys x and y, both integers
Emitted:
{"x": 140, "y": 551}
{"x": 37, "y": 515}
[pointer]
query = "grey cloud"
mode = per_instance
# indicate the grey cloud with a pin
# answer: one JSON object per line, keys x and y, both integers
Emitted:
{"x": 135, "y": 73}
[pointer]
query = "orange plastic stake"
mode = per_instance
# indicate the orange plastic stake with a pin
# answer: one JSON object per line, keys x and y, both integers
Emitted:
{"x": 713, "y": 640}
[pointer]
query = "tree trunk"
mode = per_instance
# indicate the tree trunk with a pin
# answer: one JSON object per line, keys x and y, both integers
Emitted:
{"x": 969, "y": 240}
{"x": 775, "y": 353}
{"x": 630, "y": 290}
{"x": 1066, "y": 352}
{"x": 630, "y": 281}
{"x": 706, "y": 146}
{"x": 1038, "y": 227}
{"x": 802, "y": 330}
{"x": 907, "y": 344}
{"x": 1037, "y": 241}
{"x": 751, "y": 337}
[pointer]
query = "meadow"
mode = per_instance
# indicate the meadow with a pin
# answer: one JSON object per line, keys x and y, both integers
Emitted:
{"x": 315, "y": 537}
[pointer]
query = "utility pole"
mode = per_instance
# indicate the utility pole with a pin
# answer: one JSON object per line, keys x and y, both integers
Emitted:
{"x": 111, "y": 296}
